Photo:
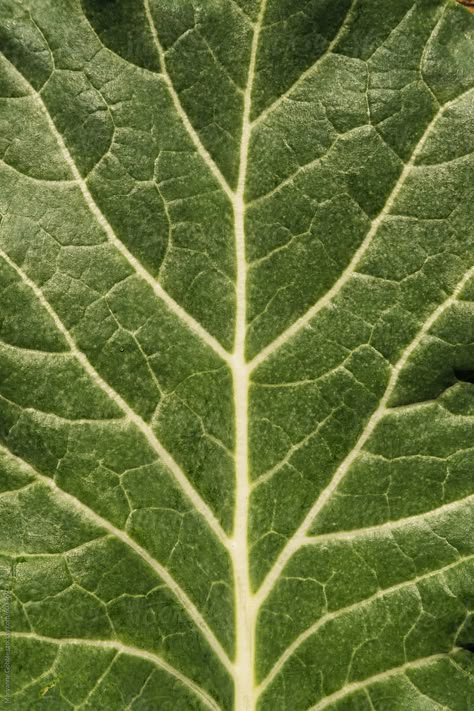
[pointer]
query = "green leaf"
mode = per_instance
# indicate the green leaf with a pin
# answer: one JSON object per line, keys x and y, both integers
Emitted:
{"x": 236, "y": 355}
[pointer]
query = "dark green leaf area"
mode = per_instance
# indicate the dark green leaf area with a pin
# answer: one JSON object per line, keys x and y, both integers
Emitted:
{"x": 236, "y": 355}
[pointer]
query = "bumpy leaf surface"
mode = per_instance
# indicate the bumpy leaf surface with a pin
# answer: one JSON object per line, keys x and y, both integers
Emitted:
{"x": 237, "y": 355}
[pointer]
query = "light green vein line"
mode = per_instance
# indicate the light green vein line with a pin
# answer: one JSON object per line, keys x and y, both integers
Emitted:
{"x": 379, "y": 678}
{"x": 163, "y": 295}
{"x": 186, "y": 486}
{"x": 350, "y": 270}
{"x": 381, "y": 528}
{"x": 308, "y": 72}
{"x": 160, "y": 570}
{"x": 295, "y": 542}
{"x": 244, "y": 602}
{"x": 336, "y": 614}
{"x": 203, "y": 152}
{"x": 123, "y": 649}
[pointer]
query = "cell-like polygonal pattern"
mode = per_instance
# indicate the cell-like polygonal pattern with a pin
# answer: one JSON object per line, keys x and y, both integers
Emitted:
{"x": 236, "y": 355}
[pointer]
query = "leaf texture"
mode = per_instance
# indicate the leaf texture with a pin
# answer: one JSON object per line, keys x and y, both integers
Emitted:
{"x": 237, "y": 355}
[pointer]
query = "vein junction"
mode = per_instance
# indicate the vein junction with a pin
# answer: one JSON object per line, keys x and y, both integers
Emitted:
{"x": 247, "y": 602}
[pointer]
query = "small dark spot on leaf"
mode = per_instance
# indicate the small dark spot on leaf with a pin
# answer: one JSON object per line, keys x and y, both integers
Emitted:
{"x": 466, "y": 376}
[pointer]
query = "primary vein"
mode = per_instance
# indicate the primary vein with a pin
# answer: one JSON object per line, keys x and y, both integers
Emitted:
{"x": 247, "y": 603}
{"x": 245, "y": 611}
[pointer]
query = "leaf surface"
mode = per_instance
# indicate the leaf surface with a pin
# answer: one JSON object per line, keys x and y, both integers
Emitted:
{"x": 237, "y": 354}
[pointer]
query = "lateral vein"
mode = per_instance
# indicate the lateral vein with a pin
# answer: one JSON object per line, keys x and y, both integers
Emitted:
{"x": 99, "y": 216}
{"x": 301, "y": 322}
{"x": 202, "y": 150}
{"x": 376, "y": 678}
{"x": 160, "y": 570}
{"x": 191, "y": 493}
{"x": 325, "y": 619}
{"x": 389, "y": 525}
{"x": 124, "y": 649}
{"x": 329, "y": 49}
{"x": 295, "y": 542}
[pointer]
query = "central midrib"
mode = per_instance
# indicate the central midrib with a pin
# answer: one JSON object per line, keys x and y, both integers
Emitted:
{"x": 245, "y": 606}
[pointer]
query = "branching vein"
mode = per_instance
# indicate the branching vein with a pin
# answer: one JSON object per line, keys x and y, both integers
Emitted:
{"x": 295, "y": 542}
{"x": 378, "y": 678}
{"x": 163, "y": 295}
{"x": 191, "y": 493}
{"x": 202, "y": 150}
{"x": 124, "y": 649}
{"x": 346, "y": 275}
{"x": 358, "y": 606}
{"x": 90, "y": 514}
{"x": 308, "y": 72}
